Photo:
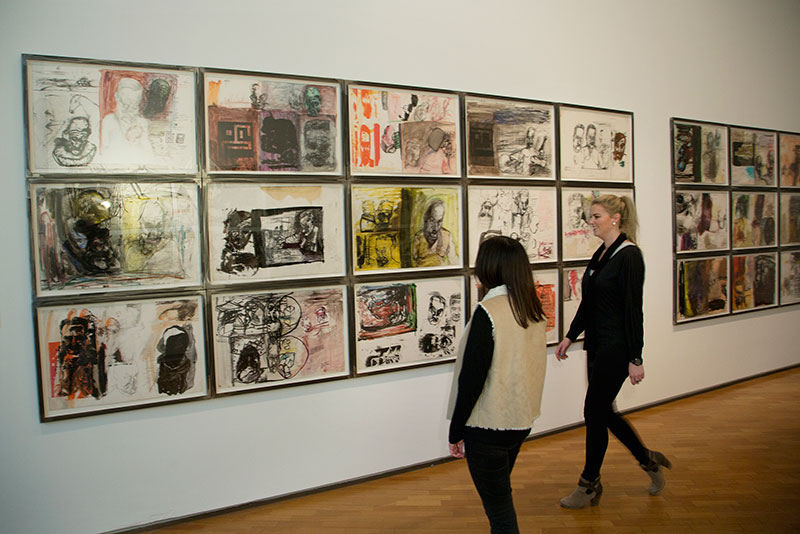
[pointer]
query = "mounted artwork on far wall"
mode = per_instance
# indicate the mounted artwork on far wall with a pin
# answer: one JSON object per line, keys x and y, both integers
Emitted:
{"x": 753, "y": 157}
{"x": 754, "y": 218}
{"x": 399, "y": 324}
{"x": 578, "y": 241}
{"x": 266, "y": 124}
{"x": 701, "y": 220}
{"x": 701, "y": 288}
{"x": 86, "y": 117}
{"x": 572, "y": 292}
{"x": 122, "y": 354}
{"x": 754, "y": 280}
{"x": 596, "y": 145}
{"x": 509, "y": 138}
{"x": 790, "y": 277}
{"x": 700, "y": 153}
{"x": 271, "y": 338}
{"x": 547, "y": 288}
{"x": 403, "y": 131}
{"x": 789, "y": 159}
{"x": 790, "y": 218}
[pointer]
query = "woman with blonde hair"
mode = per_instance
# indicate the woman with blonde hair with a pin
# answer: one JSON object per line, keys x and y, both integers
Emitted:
{"x": 611, "y": 316}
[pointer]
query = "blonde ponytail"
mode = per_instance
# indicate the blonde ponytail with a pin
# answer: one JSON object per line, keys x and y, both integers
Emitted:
{"x": 624, "y": 206}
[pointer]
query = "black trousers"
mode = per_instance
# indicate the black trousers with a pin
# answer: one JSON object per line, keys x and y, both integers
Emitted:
{"x": 490, "y": 457}
{"x": 606, "y": 376}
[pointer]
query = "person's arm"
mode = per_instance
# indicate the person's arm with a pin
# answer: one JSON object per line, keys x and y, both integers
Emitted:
{"x": 475, "y": 367}
{"x": 632, "y": 286}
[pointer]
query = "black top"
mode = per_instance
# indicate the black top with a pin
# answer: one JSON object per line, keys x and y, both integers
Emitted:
{"x": 611, "y": 306}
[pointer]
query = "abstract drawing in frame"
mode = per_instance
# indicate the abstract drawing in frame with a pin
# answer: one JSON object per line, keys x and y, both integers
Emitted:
{"x": 790, "y": 277}
{"x": 701, "y": 288}
{"x": 408, "y": 323}
{"x": 701, "y": 220}
{"x": 95, "y": 357}
{"x": 700, "y": 153}
{"x": 260, "y": 231}
{"x": 578, "y": 241}
{"x": 790, "y": 218}
{"x": 270, "y": 338}
{"x": 92, "y": 238}
{"x": 753, "y": 157}
{"x": 398, "y": 228}
{"x": 596, "y": 145}
{"x": 95, "y": 118}
{"x": 754, "y": 219}
{"x": 528, "y": 214}
{"x": 547, "y": 289}
{"x": 403, "y": 131}
{"x": 789, "y": 159}
{"x": 572, "y": 292}
{"x": 754, "y": 281}
{"x": 261, "y": 124}
{"x": 509, "y": 139}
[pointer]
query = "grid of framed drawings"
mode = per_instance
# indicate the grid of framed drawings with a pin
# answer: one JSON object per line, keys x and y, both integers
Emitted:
{"x": 202, "y": 232}
{"x": 736, "y": 219}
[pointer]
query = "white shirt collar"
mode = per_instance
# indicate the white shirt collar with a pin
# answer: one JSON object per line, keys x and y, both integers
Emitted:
{"x": 496, "y": 291}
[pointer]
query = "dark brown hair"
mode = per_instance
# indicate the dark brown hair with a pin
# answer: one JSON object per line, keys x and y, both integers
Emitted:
{"x": 503, "y": 261}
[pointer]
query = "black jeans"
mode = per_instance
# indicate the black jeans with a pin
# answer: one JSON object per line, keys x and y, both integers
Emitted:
{"x": 490, "y": 457}
{"x": 606, "y": 377}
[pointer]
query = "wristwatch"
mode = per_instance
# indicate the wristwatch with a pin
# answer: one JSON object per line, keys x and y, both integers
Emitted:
{"x": 636, "y": 361}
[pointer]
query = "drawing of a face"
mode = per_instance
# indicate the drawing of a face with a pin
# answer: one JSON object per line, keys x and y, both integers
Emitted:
{"x": 412, "y": 154}
{"x": 74, "y": 336}
{"x": 455, "y": 307}
{"x": 312, "y": 100}
{"x": 152, "y": 223}
{"x": 436, "y": 308}
{"x": 436, "y": 138}
{"x": 384, "y": 214}
{"x": 575, "y": 212}
{"x": 238, "y": 229}
{"x": 128, "y": 96}
{"x": 433, "y": 220}
{"x": 522, "y": 199}
{"x": 591, "y": 136}
{"x": 317, "y": 142}
{"x": 383, "y": 250}
{"x": 577, "y": 137}
{"x": 486, "y": 211}
{"x": 77, "y": 134}
{"x": 619, "y": 146}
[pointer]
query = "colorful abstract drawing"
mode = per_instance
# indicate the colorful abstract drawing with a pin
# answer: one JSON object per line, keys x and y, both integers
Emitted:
{"x": 394, "y": 131}
{"x": 754, "y": 219}
{"x": 701, "y": 220}
{"x": 578, "y": 241}
{"x": 408, "y": 323}
{"x": 702, "y": 288}
{"x": 700, "y": 153}
{"x": 596, "y": 145}
{"x": 396, "y": 228}
{"x": 528, "y": 214}
{"x": 790, "y": 277}
{"x": 260, "y": 124}
{"x": 572, "y": 291}
{"x": 265, "y": 339}
{"x": 790, "y": 218}
{"x": 547, "y": 287}
{"x": 753, "y": 157}
{"x": 790, "y": 160}
{"x": 754, "y": 281}
{"x": 88, "y": 118}
{"x": 280, "y": 231}
{"x": 509, "y": 139}
{"x": 113, "y": 237}
{"x": 97, "y": 357}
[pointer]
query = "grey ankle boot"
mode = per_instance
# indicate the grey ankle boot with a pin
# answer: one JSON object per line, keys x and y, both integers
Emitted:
{"x": 586, "y": 493}
{"x": 654, "y": 471}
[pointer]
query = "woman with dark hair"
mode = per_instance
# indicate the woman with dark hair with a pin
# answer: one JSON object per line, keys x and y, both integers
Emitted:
{"x": 499, "y": 376}
{"x": 611, "y": 316}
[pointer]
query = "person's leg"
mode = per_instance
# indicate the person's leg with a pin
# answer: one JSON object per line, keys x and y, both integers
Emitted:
{"x": 490, "y": 467}
{"x": 605, "y": 381}
{"x": 627, "y": 435}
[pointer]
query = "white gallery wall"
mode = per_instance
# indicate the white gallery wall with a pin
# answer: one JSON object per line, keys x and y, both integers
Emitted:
{"x": 729, "y": 61}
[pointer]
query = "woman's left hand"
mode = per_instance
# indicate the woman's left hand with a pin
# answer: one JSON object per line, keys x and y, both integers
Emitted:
{"x": 457, "y": 449}
{"x": 636, "y": 372}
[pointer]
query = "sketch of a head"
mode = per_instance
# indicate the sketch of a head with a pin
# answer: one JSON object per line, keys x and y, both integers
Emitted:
{"x": 312, "y": 100}
{"x": 486, "y": 210}
{"x": 384, "y": 249}
{"x": 620, "y": 140}
{"x": 75, "y": 332}
{"x": 158, "y": 93}
{"x": 576, "y": 210}
{"x": 173, "y": 344}
{"x": 383, "y": 216}
{"x": 436, "y": 138}
{"x": 433, "y": 220}
{"x": 128, "y": 96}
{"x": 412, "y": 153}
{"x": 577, "y": 137}
{"x": 317, "y": 143}
{"x": 436, "y": 308}
{"x": 591, "y": 135}
{"x": 522, "y": 200}
{"x": 77, "y": 134}
{"x": 279, "y": 141}
{"x": 152, "y": 227}
{"x": 238, "y": 229}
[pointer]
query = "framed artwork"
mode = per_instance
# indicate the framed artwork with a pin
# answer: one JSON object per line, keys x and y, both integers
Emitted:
{"x": 266, "y": 231}
{"x": 752, "y": 157}
{"x": 96, "y": 357}
{"x": 578, "y": 241}
{"x": 790, "y": 218}
{"x": 509, "y": 138}
{"x": 528, "y": 214}
{"x": 754, "y": 281}
{"x": 701, "y": 288}
{"x": 547, "y": 289}
{"x": 572, "y": 291}
{"x": 754, "y": 219}
{"x": 270, "y": 338}
{"x": 790, "y": 277}
{"x": 91, "y": 238}
{"x": 701, "y": 220}
{"x": 789, "y": 159}
{"x": 399, "y": 228}
{"x": 699, "y": 153}
{"x": 87, "y": 117}
{"x": 262, "y": 124}
{"x": 399, "y": 324}
{"x": 596, "y": 145}
{"x": 403, "y": 131}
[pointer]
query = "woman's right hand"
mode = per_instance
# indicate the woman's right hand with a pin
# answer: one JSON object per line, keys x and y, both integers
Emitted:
{"x": 561, "y": 349}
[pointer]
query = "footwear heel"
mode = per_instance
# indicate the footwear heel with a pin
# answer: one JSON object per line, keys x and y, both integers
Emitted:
{"x": 596, "y": 499}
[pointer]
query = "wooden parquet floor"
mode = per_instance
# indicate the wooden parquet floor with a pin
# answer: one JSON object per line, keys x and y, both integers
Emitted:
{"x": 736, "y": 468}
